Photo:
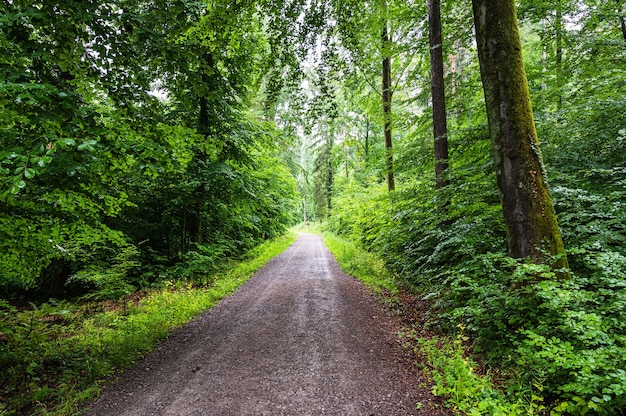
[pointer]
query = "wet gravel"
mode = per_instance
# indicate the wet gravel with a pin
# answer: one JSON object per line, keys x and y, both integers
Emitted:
{"x": 299, "y": 338}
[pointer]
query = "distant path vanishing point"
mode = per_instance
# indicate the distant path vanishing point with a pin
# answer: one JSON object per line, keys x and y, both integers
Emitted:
{"x": 299, "y": 338}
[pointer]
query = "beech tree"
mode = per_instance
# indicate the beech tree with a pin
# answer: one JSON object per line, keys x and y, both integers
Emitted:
{"x": 387, "y": 95}
{"x": 440, "y": 128}
{"x": 529, "y": 214}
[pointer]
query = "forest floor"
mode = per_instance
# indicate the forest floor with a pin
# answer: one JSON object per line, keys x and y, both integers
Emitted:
{"x": 299, "y": 338}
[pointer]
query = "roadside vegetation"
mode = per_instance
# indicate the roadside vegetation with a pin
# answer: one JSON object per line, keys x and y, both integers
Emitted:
{"x": 58, "y": 354}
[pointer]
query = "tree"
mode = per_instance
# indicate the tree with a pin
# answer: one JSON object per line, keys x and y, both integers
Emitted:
{"x": 379, "y": 44}
{"x": 387, "y": 95}
{"x": 440, "y": 128}
{"x": 529, "y": 215}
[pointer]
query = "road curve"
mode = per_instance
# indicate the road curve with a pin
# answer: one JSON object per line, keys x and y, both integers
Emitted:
{"x": 299, "y": 338}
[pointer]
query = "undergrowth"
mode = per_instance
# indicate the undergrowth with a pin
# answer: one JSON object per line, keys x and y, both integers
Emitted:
{"x": 57, "y": 354}
{"x": 365, "y": 266}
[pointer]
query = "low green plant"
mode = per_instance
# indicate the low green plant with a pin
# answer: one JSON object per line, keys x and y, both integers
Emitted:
{"x": 455, "y": 376}
{"x": 365, "y": 266}
{"x": 100, "y": 281}
{"x": 59, "y": 353}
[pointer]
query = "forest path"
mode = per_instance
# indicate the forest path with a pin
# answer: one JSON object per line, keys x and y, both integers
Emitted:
{"x": 299, "y": 338}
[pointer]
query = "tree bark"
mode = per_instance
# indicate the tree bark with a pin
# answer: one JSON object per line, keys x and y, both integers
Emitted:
{"x": 367, "y": 138}
{"x": 345, "y": 152}
{"x": 329, "y": 177}
{"x": 558, "y": 24}
{"x": 387, "y": 97}
{"x": 195, "y": 223}
{"x": 622, "y": 19}
{"x": 529, "y": 215}
{"x": 440, "y": 127}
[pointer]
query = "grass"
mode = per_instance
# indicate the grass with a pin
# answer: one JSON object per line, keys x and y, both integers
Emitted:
{"x": 59, "y": 354}
{"x": 365, "y": 266}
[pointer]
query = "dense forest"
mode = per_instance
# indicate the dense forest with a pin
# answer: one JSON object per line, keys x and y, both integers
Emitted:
{"x": 478, "y": 148}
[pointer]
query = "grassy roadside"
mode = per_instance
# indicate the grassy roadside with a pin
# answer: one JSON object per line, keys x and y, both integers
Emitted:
{"x": 365, "y": 266}
{"x": 445, "y": 361}
{"x": 57, "y": 355}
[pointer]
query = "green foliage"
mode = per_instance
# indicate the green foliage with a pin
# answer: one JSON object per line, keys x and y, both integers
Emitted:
{"x": 102, "y": 283}
{"x": 365, "y": 266}
{"x": 96, "y": 157}
{"x": 359, "y": 213}
{"x": 138, "y": 147}
{"x": 58, "y": 353}
{"x": 455, "y": 377}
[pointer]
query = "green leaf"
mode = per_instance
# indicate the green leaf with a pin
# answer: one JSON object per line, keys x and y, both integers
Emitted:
{"x": 29, "y": 173}
{"x": 88, "y": 145}
{"x": 67, "y": 142}
{"x": 15, "y": 188}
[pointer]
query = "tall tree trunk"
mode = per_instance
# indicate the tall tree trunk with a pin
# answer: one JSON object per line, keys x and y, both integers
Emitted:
{"x": 194, "y": 223}
{"x": 528, "y": 211}
{"x": 367, "y": 138}
{"x": 345, "y": 151}
{"x": 622, "y": 19}
{"x": 440, "y": 127}
{"x": 330, "y": 177}
{"x": 387, "y": 94}
{"x": 544, "y": 57}
{"x": 558, "y": 24}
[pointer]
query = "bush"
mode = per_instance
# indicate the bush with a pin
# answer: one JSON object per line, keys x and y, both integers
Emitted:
{"x": 102, "y": 282}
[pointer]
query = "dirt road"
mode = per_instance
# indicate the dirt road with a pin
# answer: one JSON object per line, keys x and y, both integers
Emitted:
{"x": 299, "y": 338}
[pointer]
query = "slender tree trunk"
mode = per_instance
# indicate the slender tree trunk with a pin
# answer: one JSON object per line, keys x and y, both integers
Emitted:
{"x": 558, "y": 24}
{"x": 387, "y": 97}
{"x": 455, "y": 68}
{"x": 367, "y": 138}
{"x": 440, "y": 128}
{"x": 329, "y": 179}
{"x": 544, "y": 58}
{"x": 345, "y": 151}
{"x": 204, "y": 126}
{"x": 528, "y": 211}
{"x": 183, "y": 241}
{"x": 622, "y": 19}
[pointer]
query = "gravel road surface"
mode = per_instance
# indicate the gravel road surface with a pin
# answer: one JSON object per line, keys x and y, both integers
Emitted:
{"x": 299, "y": 338}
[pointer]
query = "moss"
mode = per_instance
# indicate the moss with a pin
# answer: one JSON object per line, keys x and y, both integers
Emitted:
{"x": 528, "y": 210}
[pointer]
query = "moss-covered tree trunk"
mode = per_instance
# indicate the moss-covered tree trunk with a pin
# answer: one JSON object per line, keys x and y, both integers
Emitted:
{"x": 529, "y": 215}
